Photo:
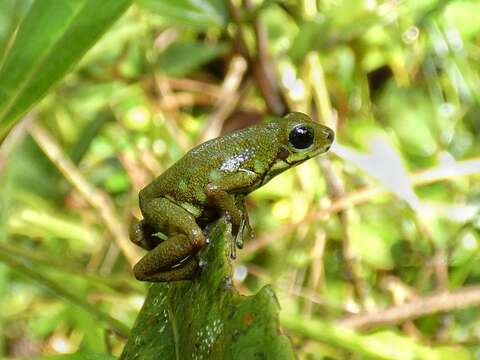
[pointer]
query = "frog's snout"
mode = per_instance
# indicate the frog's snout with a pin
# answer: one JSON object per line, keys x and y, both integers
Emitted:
{"x": 329, "y": 136}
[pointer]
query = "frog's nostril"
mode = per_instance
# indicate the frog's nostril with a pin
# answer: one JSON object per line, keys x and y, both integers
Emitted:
{"x": 330, "y": 134}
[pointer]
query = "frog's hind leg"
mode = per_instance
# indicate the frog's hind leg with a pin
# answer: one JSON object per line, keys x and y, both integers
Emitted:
{"x": 164, "y": 262}
{"x": 141, "y": 234}
{"x": 184, "y": 271}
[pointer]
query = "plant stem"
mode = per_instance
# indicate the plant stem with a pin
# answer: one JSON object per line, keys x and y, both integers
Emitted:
{"x": 431, "y": 304}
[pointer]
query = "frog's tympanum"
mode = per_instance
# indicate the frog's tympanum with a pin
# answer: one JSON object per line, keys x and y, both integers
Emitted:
{"x": 211, "y": 181}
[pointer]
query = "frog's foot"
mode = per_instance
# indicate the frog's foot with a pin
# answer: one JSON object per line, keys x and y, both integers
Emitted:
{"x": 240, "y": 232}
{"x": 142, "y": 234}
{"x": 245, "y": 232}
{"x": 183, "y": 271}
{"x": 236, "y": 222}
{"x": 165, "y": 261}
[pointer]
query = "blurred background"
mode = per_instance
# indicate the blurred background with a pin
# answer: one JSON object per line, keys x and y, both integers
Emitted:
{"x": 389, "y": 217}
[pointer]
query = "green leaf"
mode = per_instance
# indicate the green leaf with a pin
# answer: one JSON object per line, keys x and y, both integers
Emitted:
{"x": 339, "y": 23}
{"x": 458, "y": 14}
{"x": 11, "y": 11}
{"x": 182, "y": 58}
{"x": 52, "y": 37}
{"x": 78, "y": 356}
{"x": 378, "y": 345}
{"x": 206, "y": 318}
{"x": 307, "y": 38}
{"x": 368, "y": 236}
{"x": 197, "y": 13}
{"x": 6, "y": 201}
{"x": 413, "y": 118}
{"x": 43, "y": 222}
{"x": 88, "y": 134}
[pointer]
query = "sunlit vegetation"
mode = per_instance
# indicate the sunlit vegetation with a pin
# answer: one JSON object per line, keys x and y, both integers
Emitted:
{"x": 371, "y": 250}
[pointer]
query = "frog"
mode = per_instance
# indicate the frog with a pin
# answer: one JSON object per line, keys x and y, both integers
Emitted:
{"x": 211, "y": 181}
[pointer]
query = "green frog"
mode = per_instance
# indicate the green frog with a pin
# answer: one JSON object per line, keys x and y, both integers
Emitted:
{"x": 211, "y": 181}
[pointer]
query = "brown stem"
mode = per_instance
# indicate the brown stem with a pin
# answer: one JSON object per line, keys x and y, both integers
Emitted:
{"x": 264, "y": 70}
{"x": 431, "y": 304}
{"x": 13, "y": 139}
{"x": 261, "y": 65}
{"x": 228, "y": 100}
{"x": 316, "y": 279}
{"x": 351, "y": 264}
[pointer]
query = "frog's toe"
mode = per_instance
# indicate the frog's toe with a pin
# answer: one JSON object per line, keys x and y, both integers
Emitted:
{"x": 136, "y": 233}
{"x": 141, "y": 234}
{"x": 239, "y": 238}
{"x": 239, "y": 242}
{"x": 198, "y": 239}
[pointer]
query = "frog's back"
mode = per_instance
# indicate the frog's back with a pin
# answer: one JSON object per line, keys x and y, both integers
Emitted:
{"x": 185, "y": 180}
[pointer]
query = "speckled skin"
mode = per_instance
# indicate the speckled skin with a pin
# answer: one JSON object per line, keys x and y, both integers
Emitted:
{"x": 210, "y": 181}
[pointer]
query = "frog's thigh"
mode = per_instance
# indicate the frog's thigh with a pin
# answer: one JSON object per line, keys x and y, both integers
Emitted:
{"x": 187, "y": 238}
{"x": 185, "y": 271}
{"x": 159, "y": 262}
{"x": 168, "y": 217}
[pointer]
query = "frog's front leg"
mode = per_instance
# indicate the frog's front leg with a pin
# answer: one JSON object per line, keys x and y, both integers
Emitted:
{"x": 246, "y": 230}
{"x": 172, "y": 259}
{"x": 222, "y": 195}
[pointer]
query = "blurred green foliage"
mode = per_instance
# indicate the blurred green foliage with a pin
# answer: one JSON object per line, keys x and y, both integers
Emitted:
{"x": 390, "y": 216}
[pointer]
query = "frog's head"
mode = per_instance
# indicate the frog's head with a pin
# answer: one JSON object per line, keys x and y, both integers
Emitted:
{"x": 303, "y": 138}
{"x": 299, "y": 139}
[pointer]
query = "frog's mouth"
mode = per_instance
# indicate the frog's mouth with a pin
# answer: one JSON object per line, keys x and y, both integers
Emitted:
{"x": 296, "y": 158}
{"x": 295, "y": 162}
{"x": 286, "y": 160}
{"x": 279, "y": 166}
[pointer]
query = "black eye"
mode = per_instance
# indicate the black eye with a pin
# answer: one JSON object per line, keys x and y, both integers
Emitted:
{"x": 301, "y": 137}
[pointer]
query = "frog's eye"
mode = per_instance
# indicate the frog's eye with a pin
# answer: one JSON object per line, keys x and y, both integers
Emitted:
{"x": 301, "y": 137}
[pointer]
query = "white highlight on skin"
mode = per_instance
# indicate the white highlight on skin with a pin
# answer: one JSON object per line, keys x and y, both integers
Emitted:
{"x": 235, "y": 162}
